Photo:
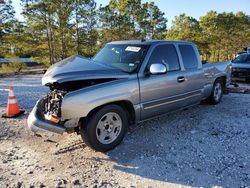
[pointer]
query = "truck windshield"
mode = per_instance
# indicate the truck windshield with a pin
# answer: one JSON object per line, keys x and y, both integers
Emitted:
{"x": 243, "y": 58}
{"x": 126, "y": 57}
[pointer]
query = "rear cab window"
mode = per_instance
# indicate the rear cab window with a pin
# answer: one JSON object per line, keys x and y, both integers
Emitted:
{"x": 189, "y": 57}
{"x": 165, "y": 54}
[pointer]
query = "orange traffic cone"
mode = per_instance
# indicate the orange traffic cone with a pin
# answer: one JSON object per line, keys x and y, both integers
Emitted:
{"x": 13, "y": 109}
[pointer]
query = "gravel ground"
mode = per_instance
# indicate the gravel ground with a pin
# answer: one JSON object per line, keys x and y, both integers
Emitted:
{"x": 203, "y": 146}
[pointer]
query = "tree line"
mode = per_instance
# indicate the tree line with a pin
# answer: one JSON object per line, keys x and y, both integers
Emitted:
{"x": 55, "y": 29}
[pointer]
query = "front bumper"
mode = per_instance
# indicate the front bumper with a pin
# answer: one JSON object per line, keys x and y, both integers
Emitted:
{"x": 37, "y": 122}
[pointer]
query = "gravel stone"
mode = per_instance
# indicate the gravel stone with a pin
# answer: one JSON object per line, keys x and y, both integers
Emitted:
{"x": 76, "y": 182}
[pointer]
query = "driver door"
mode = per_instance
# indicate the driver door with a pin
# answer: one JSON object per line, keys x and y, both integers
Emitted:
{"x": 164, "y": 92}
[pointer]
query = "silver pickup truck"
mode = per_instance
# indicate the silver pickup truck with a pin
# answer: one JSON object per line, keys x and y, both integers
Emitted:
{"x": 127, "y": 82}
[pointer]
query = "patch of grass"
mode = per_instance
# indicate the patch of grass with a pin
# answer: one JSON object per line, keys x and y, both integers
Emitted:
{"x": 14, "y": 67}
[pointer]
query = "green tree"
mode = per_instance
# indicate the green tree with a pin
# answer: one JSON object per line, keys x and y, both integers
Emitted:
{"x": 130, "y": 19}
{"x": 226, "y": 33}
{"x": 64, "y": 27}
{"x": 58, "y": 33}
{"x": 54, "y": 30}
{"x": 86, "y": 30}
{"x": 184, "y": 28}
{"x": 218, "y": 36}
{"x": 115, "y": 22}
{"x": 7, "y": 22}
{"x": 152, "y": 21}
{"x": 7, "y": 15}
{"x": 40, "y": 27}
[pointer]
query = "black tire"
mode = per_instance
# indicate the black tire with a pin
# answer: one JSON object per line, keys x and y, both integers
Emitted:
{"x": 89, "y": 129}
{"x": 213, "y": 98}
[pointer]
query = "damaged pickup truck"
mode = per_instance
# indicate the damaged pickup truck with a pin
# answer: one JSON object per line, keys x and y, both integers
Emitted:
{"x": 125, "y": 83}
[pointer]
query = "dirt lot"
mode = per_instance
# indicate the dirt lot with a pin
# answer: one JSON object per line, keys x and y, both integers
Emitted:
{"x": 204, "y": 146}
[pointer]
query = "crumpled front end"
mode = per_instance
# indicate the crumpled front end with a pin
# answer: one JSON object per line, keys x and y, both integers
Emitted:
{"x": 47, "y": 113}
{"x": 69, "y": 75}
{"x": 37, "y": 121}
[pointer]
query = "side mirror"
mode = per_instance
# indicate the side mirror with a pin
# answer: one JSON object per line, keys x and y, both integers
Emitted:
{"x": 158, "y": 68}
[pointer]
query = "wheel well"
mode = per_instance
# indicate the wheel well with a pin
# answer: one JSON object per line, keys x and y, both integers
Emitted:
{"x": 224, "y": 81}
{"x": 129, "y": 108}
{"x": 126, "y": 105}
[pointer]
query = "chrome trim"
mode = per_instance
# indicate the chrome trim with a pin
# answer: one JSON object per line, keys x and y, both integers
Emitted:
{"x": 158, "y": 68}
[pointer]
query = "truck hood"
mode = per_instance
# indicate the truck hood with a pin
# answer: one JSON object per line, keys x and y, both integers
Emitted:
{"x": 79, "y": 68}
{"x": 241, "y": 65}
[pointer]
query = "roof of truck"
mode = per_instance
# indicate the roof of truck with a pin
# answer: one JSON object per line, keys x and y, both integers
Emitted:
{"x": 141, "y": 42}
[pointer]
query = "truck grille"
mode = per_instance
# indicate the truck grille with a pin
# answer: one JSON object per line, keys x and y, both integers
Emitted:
{"x": 240, "y": 72}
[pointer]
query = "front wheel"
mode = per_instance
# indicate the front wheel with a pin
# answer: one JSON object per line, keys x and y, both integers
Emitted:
{"x": 217, "y": 92}
{"x": 105, "y": 129}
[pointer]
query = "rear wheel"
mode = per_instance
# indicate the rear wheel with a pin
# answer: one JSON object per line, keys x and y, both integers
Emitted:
{"x": 217, "y": 92}
{"x": 105, "y": 129}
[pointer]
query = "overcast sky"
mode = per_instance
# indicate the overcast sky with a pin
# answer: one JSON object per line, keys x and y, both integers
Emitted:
{"x": 172, "y": 8}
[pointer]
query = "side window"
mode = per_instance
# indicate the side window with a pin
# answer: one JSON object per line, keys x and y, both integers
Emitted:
{"x": 188, "y": 56}
{"x": 167, "y": 55}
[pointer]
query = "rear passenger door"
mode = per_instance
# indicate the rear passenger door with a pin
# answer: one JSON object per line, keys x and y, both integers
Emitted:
{"x": 193, "y": 73}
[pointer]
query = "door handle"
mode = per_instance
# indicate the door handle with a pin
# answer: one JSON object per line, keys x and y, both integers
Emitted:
{"x": 181, "y": 79}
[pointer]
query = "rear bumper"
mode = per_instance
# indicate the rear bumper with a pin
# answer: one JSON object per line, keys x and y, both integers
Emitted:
{"x": 36, "y": 121}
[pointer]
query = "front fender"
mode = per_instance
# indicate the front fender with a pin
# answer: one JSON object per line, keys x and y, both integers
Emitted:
{"x": 79, "y": 103}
